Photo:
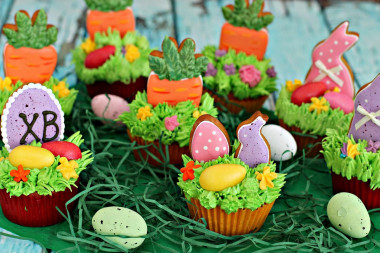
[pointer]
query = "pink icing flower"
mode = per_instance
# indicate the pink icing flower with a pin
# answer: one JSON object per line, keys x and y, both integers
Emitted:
{"x": 250, "y": 75}
{"x": 171, "y": 123}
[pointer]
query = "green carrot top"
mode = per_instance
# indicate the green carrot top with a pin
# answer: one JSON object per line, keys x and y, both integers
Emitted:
{"x": 108, "y": 5}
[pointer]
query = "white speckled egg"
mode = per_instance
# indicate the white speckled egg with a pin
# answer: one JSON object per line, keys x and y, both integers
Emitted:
{"x": 109, "y": 107}
{"x": 280, "y": 140}
{"x": 348, "y": 214}
{"x": 119, "y": 221}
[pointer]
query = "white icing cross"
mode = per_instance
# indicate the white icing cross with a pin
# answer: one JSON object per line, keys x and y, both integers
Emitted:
{"x": 328, "y": 72}
{"x": 367, "y": 117}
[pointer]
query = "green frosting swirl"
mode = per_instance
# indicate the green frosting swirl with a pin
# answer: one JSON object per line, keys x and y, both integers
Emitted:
{"x": 246, "y": 194}
{"x": 66, "y": 103}
{"x": 43, "y": 181}
{"x": 224, "y": 84}
{"x": 109, "y": 5}
{"x": 294, "y": 115}
{"x": 365, "y": 167}
{"x": 117, "y": 68}
{"x": 153, "y": 128}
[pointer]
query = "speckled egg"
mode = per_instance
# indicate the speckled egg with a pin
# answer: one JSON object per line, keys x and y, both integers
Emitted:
{"x": 119, "y": 221}
{"x": 280, "y": 140}
{"x": 109, "y": 107}
{"x": 348, "y": 214}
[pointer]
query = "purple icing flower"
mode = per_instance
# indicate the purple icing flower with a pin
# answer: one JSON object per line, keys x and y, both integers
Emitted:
{"x": 211, "y": 70}
{"x": 220, "y": 53}
{"x": 123, "y": 50}
{"x": 373, "y": 146}
{"x": 344, "y": 149}
{"x": 229, "y": 69}
{"x": 271, "y": 72}
{"x": 250, "y": 75}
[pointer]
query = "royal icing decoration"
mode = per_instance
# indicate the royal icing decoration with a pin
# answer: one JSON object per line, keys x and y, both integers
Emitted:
{"x": 208, "y": 139}
{"x": 31, "y": 113}
{"x": 188, "y": 171}
{"x": 254, "y": 148}
{"x": 63, "y": 91}
{"x": 5, "y": 84}
{"x": 88, "y": 45}
{"x": 328, "y": 63}
{"x": 292, "y": 86}
{"x": 250, "y": 75}
{"x": 143, "y": 113}
{"x": 67, "y": 168}
{"x": 132, "y": 53}
{"x": 365, "y": 124}
{"x": 318, "y": 105}
{"x": 352, "y": 149}
{"x": 373, "y": 146}
{"x": 171, "y": 123}
{"x": 266, "y": 178}
{"x": 20, "y": 174}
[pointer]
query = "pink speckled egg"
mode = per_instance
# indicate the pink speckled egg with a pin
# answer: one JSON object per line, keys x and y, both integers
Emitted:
{"x": 109, "y": 107}
{"x": 340, "y": 100}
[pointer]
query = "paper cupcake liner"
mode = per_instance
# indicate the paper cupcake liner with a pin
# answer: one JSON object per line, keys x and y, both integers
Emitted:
{"x": 370, "y": 198}
{"x": 303, "y": 142}
{"x": 126, "y": 91}
{"x": 36, "y": 210}
{"x": 242, "y": 222}
{"x": 234, "y": 105}
{"x": 175, "y": 151}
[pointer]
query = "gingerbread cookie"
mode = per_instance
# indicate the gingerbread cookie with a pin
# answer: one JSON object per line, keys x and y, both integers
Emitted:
{"x": 254, "y": 148}
{"x": 365, "y": 124}
{"x": 208, "y": 139}
{"x": 329, "y": 65}
{"x": 31, "y": 113}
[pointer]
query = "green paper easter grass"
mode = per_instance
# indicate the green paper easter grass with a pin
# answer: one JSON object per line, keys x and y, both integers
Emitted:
{"x": 297, "y": 222}
{"x": 317, "y": 124}
{"x": 224, "y": 84}
{"x": 107, "y": 72}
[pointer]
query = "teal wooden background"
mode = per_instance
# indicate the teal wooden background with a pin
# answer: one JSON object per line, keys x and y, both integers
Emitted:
{"x": 298, "y": 26}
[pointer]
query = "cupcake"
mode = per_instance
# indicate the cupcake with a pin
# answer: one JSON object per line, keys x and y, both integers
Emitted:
{"x": 232, "y": 193}
{"x": 37, "y": 168}
{"x": 238, "y": 81}
{"x": 164, "y": 114}
{"x": 354, "y": 157}
{"x": 112, "y": 63}
{"x": 325, "y": 100}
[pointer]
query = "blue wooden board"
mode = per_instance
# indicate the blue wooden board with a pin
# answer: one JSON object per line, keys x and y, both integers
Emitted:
{"x": 298, "y": 26}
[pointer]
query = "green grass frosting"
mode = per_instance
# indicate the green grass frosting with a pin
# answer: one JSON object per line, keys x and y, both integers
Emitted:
{"x": 309, "y": 122}
{"x": 365, "y": 166}
{"x": 43, "y": 181}
{"x": 246, "y": 194}
{"x": 108, "y": 5}
{"x": 153, "y": 128}
{"x": 117, "y": 68}
{"x": 224, "y": 84}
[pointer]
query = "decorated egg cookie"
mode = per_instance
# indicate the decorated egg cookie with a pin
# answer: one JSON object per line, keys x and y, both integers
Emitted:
{"x": 31, "y": 113}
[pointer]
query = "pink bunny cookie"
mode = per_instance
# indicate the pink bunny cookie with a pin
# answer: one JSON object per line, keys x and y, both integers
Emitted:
{"x": 254, "y": 148}
{"x": 329, "y": 65}
{"x": 208, "y": 139}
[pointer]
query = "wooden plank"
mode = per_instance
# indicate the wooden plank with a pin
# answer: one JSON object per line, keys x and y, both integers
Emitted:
{"x": 8, "y": 244}
{"x": 5, "y": 6}
{"x": 364, "y": 17}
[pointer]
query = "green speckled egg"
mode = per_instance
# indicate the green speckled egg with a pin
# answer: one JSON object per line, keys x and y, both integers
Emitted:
{"x": 119, "y": 221}
{"x": 348, "y": 214}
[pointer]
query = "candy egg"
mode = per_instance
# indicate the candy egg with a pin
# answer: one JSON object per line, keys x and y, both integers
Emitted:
{"x": 109, "y": 107}
{"x": 221, "y": 176}
{"x": 348, "y": 214}
{"x": 119, "y": 221}
{"x": 280, "y": 140}
{"x": 98, "y": 57}
{"x": 304, "y": 93}
{"x": 63, "y": 149}
{"x": 340, "y": 100}
{"x": 31, "y": 157}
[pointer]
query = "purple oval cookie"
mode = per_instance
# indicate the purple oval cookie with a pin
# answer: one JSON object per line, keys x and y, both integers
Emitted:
{"x": 31, "y": 113}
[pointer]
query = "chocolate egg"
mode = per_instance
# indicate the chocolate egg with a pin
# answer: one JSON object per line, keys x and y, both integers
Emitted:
{"x": 109, "y": 107}
{"x": 348, "y": 214}
{"x": 304, "y": 93}
{"x": 221, "y": 176}
{"x": 340, "y": 100}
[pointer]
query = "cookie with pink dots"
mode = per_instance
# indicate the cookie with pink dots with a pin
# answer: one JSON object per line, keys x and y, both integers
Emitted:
{"x": 254, "y": 148}
{"x": 329, "y": 66}
{"x": 208, "y": 139}
{"x": 365, "y": 125}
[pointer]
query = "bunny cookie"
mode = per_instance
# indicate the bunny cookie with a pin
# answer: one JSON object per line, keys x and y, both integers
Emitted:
{"x": 329, "y": 65}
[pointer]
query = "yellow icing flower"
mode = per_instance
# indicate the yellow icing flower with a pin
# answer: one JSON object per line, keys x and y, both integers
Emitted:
{"x": 352, "y": 150}
{"x": 88, "y": 46}
{"x": 132, "y": 53}
{"x": 67, "y": 168}
{"x": 197, "y": 114}
{"x": 1, "y": 159}
{"x": 292, "y": 86}
{"x": 6, "y": 83}
{"x": 266, "y": 178}
{"x": 143, "y": 113}
{"x": 63, "y": 91}
{"x": 318, "y": 104}
{"x": 336, "y": 89}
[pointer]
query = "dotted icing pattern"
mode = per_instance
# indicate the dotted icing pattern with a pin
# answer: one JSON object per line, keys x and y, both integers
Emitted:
{"x": 12, "y": 134}
{"x": 328, "y": 66}
{"x": 208, "y": 142}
